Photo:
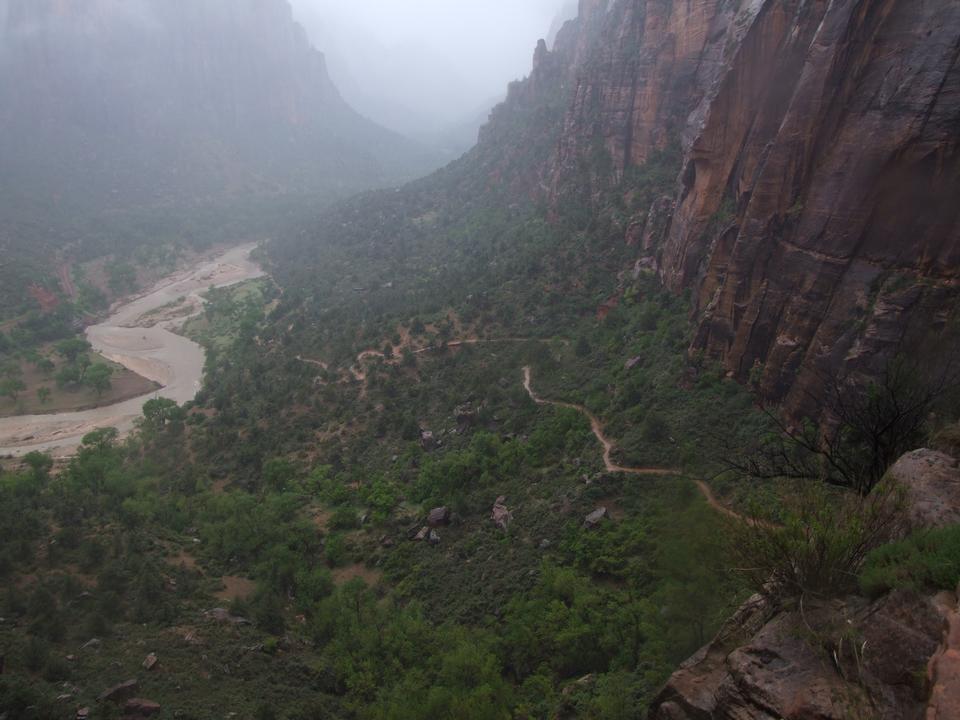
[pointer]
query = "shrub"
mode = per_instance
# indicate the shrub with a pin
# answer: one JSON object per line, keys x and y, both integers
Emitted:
{"x": 821, "y": 542}
{"x": 343, "y": 518}
{"x": 925, "y": 561}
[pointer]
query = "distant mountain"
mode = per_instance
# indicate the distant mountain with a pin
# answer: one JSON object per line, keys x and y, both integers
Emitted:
{"x": 109, "y": 103}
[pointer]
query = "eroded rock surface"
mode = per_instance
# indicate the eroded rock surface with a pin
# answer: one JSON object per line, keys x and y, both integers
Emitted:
{"x": 931, "y": 480}
{"x": 816, "y": 215}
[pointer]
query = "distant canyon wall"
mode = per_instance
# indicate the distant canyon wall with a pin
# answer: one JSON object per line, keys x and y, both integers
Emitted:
{"x": 816, "y": 219}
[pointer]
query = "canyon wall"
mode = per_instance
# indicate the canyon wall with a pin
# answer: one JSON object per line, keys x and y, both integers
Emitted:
{"x": 815, "y": 218}
{"x": 110, "y": 103}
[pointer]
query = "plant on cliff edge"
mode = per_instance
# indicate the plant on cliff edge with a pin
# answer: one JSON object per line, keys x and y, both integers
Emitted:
{"x": 820, "y": 543}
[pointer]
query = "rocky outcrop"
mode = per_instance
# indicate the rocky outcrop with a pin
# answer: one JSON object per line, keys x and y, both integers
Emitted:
{"x": 815, "y": 216}
{"x": 931, "y": 482}
{"x": 824, "y": 661}
{"x": 896, "y": 658}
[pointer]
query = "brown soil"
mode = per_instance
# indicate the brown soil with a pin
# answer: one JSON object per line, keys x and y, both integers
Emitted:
{"x": 183, "y": 559}
{"x": 344, "y": 575}
{"x": 235, "y": 587}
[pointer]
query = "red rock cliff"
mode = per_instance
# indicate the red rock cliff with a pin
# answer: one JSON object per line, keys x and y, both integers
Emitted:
{"x": 816, "y": 217}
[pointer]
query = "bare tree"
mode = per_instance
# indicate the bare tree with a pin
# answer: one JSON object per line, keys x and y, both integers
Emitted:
{"x": 868, "y": 425}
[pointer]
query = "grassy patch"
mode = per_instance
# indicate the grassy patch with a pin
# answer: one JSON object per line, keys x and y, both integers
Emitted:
{"x": 925, "y": 561}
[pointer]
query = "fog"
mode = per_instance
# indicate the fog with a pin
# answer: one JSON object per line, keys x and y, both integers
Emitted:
{"x": 430, "y": 69}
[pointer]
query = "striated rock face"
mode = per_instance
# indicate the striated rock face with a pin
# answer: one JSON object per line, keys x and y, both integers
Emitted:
{"x": 815, "y": 216}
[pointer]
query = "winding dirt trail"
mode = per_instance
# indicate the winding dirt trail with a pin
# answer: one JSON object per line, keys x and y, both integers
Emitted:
{"x": 595, "y": 424}
{"x": 608, "y": 447}
{"x": 597, "y": 427}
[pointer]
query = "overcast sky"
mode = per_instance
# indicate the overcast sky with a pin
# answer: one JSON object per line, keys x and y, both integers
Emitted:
{"x": 412, "y": 63}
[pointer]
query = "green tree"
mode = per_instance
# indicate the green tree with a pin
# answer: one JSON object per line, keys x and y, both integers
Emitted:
{"x": 12, "y": 387}
{"x": 162, "y": 413}
{"x": 97, "y": 378}
{"x": 72, "y": 348}
{"x": 39, "y": 463}
{"x": 46, "y": 366}
{"x": 43, "y": 395}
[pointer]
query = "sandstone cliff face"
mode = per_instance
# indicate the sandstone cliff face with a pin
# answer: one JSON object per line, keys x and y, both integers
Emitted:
{"x": 816, "y": 216}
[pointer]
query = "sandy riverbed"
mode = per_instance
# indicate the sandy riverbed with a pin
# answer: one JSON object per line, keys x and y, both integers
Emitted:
{"x": 155, "y": 352}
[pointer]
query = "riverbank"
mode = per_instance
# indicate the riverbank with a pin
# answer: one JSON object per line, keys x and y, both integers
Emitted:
{"x": 135, "y": 338}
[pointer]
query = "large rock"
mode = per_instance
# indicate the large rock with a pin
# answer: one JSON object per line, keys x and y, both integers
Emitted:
{"x": 140, "y": 708}
{"x": 501, "y": 516}
{"x": 120, "y": 692}
{"x": 931, "y": 481}
{"x": 595, "y": 518}
{"x": 223, "y": 616}
{"x": 438, "y": 517}
{"x": 828, "y": 661}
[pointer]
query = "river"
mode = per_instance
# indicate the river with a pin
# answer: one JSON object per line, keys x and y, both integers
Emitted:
{"x": 156, "y": 352}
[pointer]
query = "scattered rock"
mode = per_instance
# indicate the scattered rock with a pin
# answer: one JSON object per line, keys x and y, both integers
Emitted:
{"x": 501, "y": 515}
{"x": 544, "y": 544}
{"x": 633, "y": 362}
{"x": 386, "y": 541}
{"x": 119, "y": 692}
{"x": 465, "y": 415}
{"x": 595, "y": 518}
{"x": 422, "y": 535}
{"x": 150, "y": 662}
{"x": 439, "y": 516}
{"x": 140, "y": 708}
{"x": 427, "y": 440}
{"x": 83, "y": 714}
{"x": 92, "y": 644}
{"x": 222, "y": 615}
{"x": 434, "y": 537}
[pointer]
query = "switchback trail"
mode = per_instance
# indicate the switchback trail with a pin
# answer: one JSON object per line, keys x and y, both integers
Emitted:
{"x": 608, "y": 446}
{"x": 597, "y": 427}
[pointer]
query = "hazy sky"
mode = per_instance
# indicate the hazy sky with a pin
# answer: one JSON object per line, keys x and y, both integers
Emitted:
{"x": 412, "y": 63}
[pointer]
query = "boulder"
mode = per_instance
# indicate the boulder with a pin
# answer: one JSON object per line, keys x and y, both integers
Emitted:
{"x": 434, "y": 537}
{"x": 83, "y": 714}
{"x": 140, "y": 708}
{"x": 119, "y": 692}
{"x": 422, "y": 535}
{"x": 829, "y": 661}
{"x": 438, "y": 517}
{"x": 595, "y": 518}
{"x": 931, "y": 481}
{"x": 501, "y": 515}
{"x": 427, "y": 440}
{"x": 150, "y": 662}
